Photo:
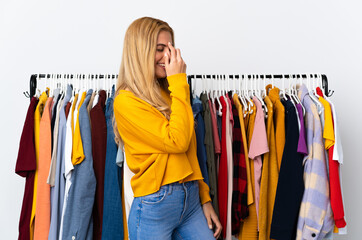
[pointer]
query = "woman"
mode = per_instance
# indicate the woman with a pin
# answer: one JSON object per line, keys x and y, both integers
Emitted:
{"x": 154, "y": 122}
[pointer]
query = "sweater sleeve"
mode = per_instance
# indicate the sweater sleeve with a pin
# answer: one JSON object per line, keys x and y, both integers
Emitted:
{"x": 204, "y": 192}
{"x": 146, "y": 130}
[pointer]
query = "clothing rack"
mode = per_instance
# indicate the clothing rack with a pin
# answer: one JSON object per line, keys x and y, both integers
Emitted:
{"x": 327, "y": 92}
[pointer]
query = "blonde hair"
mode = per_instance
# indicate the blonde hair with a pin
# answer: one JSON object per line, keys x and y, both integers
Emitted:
{"x": 137, "y": 71}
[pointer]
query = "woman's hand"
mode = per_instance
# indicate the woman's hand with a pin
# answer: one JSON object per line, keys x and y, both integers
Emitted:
{"x": 174, "y": 63}
{"x": 211, "y": 218}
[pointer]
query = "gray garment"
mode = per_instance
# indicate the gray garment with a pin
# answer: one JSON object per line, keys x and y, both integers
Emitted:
{"x": 78, "y": 221}
{"x": 120, "y": 157}
{"x": 210, "y": 152}
{"x": 57, "y": 191}
{"x": 55, "y": 98}
{"x": 51, "y": 175}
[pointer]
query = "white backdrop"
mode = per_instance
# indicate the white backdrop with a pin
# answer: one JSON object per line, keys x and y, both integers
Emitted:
{"x": 214, "y": 37}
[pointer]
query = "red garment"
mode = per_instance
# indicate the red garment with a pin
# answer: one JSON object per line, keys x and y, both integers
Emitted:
{"x": 25, "y": 167}
{"x": 223, "y": 171}
{"x": 67, "y": 108}
{"x": 99, "y": 146}
{"x": 335, "y": 185}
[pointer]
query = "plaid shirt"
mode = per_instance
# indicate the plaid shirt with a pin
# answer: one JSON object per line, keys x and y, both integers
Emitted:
{"x": 239, "y": 201}
{"x": 315, "y": 216}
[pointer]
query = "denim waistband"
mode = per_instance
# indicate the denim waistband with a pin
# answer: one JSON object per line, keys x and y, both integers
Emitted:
{"x": 179, "y": 186}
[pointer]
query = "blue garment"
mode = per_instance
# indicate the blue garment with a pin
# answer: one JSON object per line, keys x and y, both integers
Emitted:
{"x": 112, "y": 227}
{"x": 57, "y": 192}
{"x": 173, "y": 212}
{"x": 200, "y": 137}
{"x": 78, "y": 221}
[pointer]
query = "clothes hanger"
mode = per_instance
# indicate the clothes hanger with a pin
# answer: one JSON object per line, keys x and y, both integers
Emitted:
{"x": 283, "y": 89}
{"x": 312, "y": 96}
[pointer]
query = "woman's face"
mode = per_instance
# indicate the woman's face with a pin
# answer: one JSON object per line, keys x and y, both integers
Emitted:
{"x": 162, "y": 47}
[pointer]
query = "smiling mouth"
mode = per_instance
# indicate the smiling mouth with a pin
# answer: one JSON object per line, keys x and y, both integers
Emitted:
{"x": 162, "y": 65}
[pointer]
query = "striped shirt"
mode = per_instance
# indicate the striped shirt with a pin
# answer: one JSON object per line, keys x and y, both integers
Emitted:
{"x": 315, "y": 215}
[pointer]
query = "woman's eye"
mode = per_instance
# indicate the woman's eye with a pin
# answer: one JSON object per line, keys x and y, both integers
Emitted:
{"x": 160, "y": 50}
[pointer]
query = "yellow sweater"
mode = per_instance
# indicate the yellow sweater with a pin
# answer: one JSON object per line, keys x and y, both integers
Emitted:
{"x": 159, "y": 151}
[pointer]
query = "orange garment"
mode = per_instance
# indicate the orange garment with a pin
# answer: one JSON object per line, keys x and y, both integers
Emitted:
{"x": 279, "y": 121}
{"x": 125, "y": 226}
{"x": 77, "y": 150}
{"x": 249, "y": 228}
{"x": 269, "y": 179}
{"x": 42, "y": 212}
{"x": 37, "y": 117}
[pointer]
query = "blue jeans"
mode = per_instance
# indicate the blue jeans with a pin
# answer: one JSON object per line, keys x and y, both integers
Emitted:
{"x": 173, "y": 212}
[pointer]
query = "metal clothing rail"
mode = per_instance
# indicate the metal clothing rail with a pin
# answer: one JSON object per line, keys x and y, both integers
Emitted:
{"x": 327, "y": 92}
{"x": 34, "y": 77}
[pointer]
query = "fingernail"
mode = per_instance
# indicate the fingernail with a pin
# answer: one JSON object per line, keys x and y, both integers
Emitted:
{"x": 210, "y": 226}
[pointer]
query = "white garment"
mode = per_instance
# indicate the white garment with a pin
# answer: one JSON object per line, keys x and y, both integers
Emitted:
{"x": 95, "y": 100}
{"x": 128, "y": 192}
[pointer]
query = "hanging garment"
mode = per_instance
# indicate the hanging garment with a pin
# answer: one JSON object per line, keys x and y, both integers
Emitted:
{"x": 290, "y": 184}
{"x": 249, "y": 228}
{"x": 197, "y": 110}
{"x": 54, "y": 107}
{"x": 315, "y": 205}
{"x": 37, "y": 117}
{"x": 57, "y": 191}
{"x": 258, "y": 146}
{"x": 42, "y": 212}
{"x": 112, "y": 225}
{"x": 167, "y": 147}
{"x": 334, "y": 181}
{"x": 269, "y": 180}
{"x": 68, "y": 165}
{"x": 229, "y": 145}
{"x": 279, "y": 121}
{"x": 78, "y": 220}
{"x": 210, "y": 151}
{"x": 78, "y": 148}
{"x": 54, "y": 139}
{"x": 90, "y": 105}
{"x": 302, "y": 144}
{"x": 25, "y": 167}
{"x": 239, "y": 202}
{"x": 127, "y": 197}
{"x": 58, "y": 158}
{"x": 99, "y": 148}
{"x": 223, "y": 171}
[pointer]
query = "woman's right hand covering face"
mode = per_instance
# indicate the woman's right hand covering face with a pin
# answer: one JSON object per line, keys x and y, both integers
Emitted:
{"x": 174, "y": 63}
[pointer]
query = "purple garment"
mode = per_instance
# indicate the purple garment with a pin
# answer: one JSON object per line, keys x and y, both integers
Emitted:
{"x": 302, "y": 145}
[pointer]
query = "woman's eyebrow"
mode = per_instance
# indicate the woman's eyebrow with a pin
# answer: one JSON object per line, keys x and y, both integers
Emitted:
{"x": 161, "y": 44}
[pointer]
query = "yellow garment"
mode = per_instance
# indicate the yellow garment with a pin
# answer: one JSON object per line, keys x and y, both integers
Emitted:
{"x": 279, "y": 121}
{"x": 269, "y": 180}
{"x": 77, "y": 150}
{"x": 249, "y": 228}
{"x": 159, "y": 151}
{"x": 328, "y": 132}
{"x": 37, "y": 117}
{"x": 239, "y": 107}
{"x": 72, "y": 112}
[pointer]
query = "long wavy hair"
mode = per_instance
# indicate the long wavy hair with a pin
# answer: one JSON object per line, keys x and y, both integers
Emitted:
{"x": 137, "y": 71}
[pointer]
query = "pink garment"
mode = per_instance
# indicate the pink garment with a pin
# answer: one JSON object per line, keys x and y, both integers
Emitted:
{"x": 258, "y": 146}
{"x": 230, "y": 164}
{"x": 215, "y": 132}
